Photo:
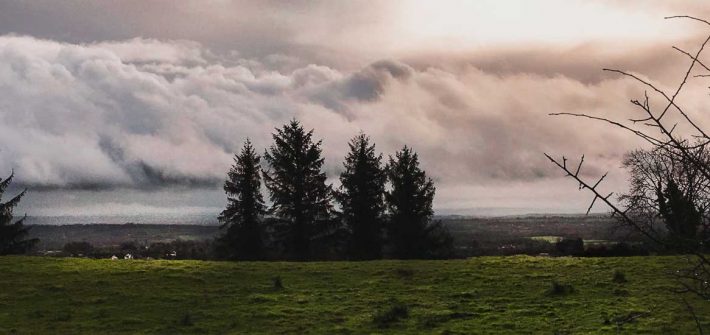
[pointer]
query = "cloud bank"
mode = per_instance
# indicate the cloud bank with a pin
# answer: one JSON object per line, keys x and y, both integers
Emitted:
{"x": 148, "y": 113}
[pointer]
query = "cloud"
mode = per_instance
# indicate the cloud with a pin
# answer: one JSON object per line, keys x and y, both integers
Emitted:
{"x": 348, "y": 35}
{"x": 141, "y": 50}
{"x": 139, "y": 95}
{"x": 146, "y": 113}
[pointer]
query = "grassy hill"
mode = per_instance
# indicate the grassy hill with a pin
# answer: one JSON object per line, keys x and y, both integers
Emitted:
{"x": 482, "y": 295}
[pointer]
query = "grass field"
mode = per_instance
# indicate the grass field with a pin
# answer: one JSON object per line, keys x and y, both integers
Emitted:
{"x": 481, "y": 295}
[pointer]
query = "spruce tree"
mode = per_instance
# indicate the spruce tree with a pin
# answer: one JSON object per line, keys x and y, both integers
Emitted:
{"x": 410, "y": 231}
{"x": 12, "y": 235}
{"x": 679, "y": 212}
{"x": 242, "y": 219}
{"x": 301, "y": 200}
{"x": 361, "y": 197}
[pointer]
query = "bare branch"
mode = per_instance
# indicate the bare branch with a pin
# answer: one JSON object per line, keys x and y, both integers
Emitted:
{"x": 579, "y": 167}
{"x": 638, "y": 133}
{"x": 614, "y": 208}
{"x": 687, "y": 17}
{"x": 691, "y": 57}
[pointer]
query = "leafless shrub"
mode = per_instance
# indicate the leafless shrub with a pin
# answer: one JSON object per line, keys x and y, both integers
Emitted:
{"x": 675, "y": 155}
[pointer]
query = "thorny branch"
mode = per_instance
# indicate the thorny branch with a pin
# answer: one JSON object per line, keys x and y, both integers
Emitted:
{"x": 693, "y": 279}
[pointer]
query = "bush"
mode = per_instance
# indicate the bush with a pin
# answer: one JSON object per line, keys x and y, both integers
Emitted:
{"x": 277, "y": 283}
{"x": 128, "y": 247}
{"x": 186, "y": 320}
{"x": 440, "y": 243}
{"x": 78, "y": 249}
{"x": 570, "y": 247}
{"x": 617, "y": 250}
{"x": 394, "y": 312}
{"x": 558, "y": 289}
{"x": 619, "y": 277}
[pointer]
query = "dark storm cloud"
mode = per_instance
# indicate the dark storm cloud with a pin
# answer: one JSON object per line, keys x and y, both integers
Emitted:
{"x": 363, "y": 86}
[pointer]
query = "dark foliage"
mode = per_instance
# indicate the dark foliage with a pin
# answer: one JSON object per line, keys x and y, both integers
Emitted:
{"x": 570, "y": 247}
{"x": 559, "y": 289}
{"x": 361, "y": 198}
{"x": 129, "y": 247}
{"x": 277, "y": 283}
{"x": 440, "y": 243}
{"x": 391, "y": 313}
{"x": 242, "y": 219}
{"x": 78, "y": 248}
{"x": 410, "y": 232}
{"x": 301, "y": 199}
{"x": 12, "y": 234}
{"x": 681, "y": 216}
{"x": 619, "y": 277}
{"x": 186, "y": 320}
{"x": 617, "y": 250}
{"x": 666, "y": 186}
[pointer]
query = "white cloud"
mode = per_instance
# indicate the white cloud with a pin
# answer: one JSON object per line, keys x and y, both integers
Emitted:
{"x": 142, "y": 112}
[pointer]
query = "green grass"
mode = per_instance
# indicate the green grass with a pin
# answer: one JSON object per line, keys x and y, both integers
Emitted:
{"x": 549, "y": 239}
{"x": 513, "y": 295}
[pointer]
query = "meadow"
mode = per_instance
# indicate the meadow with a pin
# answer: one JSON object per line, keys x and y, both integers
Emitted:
{"x": 482, "y": 295}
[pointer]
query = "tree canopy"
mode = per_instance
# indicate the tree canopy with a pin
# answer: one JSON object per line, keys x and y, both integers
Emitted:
{"x": 410, "y": 231}
{"x": 301, "y": 199}
{"x": 361, "y": 198}
{"x": 243, "y": 217}
{"x": 385, "y": 211}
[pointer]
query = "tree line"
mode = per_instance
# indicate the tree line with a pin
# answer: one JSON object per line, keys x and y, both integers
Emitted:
{"x": 385, "y": 208}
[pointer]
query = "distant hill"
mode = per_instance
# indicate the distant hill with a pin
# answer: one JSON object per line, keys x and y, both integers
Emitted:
{"x": 488, "y": 232}
{"x": 179, "y": 219}
{"x": 54, "y": 237}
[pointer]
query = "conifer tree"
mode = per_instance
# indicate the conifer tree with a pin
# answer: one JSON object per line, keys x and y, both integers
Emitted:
{"x": 12, "y": 235}
{"x": 243, "y": 217}
{"x": 681, "y": 216}
{"x": 361, "y": 197}
{"x": 410, "y": 231}
{"x": 301, "y": 199}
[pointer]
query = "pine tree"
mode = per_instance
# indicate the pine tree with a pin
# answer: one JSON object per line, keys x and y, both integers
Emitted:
{"x": 300, "y": 198}
{"x": 12, "y": 235}
{"x": 242, "y": 219}
{"x": 409, "y": 202}
{"x": 361, "y": 197}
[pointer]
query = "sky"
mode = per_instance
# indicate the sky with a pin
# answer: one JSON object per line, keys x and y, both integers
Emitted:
{"x": 110, "y": 108}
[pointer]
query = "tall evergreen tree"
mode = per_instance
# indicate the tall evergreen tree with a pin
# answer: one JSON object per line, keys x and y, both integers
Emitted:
{"x": 409, "y": 202}
{"x": 12, "y": 235}
{"x": 681, "y": 216}
{"x": 361, "y": 197}
{"x": 301, "y": 199}
{"x": 242, "y": 219}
